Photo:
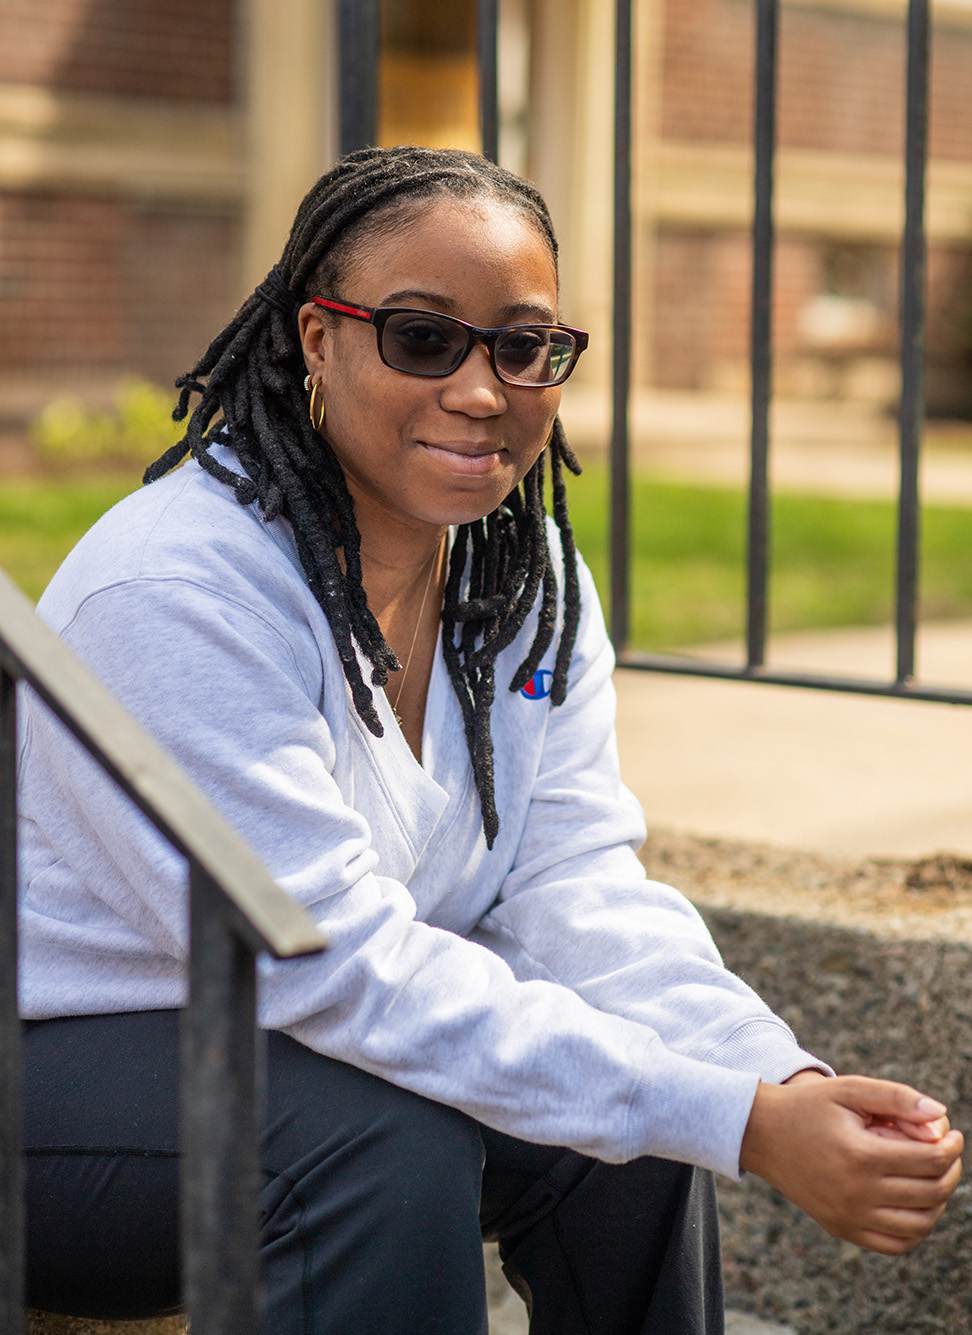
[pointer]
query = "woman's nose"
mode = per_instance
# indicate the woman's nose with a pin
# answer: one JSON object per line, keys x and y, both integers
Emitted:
{"x": 474, "y": 387}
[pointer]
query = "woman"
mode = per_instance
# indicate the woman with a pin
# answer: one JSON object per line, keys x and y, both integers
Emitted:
{"x": 350, "y": 622}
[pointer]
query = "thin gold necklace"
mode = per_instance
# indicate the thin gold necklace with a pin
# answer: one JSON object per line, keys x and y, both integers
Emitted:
{"x": 418, "y": 621}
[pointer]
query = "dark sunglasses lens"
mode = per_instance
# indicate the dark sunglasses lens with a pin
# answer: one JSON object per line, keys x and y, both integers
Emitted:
{"x": 534, "y": 355}
{"x": 423, "y": 344}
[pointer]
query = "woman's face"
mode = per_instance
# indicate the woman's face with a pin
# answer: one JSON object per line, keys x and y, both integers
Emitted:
{"x": 424, "y": 451}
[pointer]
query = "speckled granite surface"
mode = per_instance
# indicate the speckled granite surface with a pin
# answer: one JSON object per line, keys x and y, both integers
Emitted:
{"x": 871, "y": 963}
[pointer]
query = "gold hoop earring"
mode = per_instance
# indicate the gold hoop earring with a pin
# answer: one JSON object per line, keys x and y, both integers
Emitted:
{"x": 319, "y": 423}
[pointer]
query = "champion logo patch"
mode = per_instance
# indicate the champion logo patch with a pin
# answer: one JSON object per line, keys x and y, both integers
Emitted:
{"x": 538, "y": 687}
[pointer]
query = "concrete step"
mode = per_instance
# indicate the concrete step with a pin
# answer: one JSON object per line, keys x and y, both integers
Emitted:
{"x": 50, "y": 1323}
{"x": 742, "y": 1323}
{"x": 507, "y": 1316}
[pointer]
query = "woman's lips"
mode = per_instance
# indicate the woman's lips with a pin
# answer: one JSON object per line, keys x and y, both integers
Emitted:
{"x": 464, "y": 457}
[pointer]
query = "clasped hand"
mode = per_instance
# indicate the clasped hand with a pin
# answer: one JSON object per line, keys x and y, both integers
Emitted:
{"x": 872, "y": 1161}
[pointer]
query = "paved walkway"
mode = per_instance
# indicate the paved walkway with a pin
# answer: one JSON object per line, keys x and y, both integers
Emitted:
{"x": 807, "y": 769}
{"x": 831, "y": 773}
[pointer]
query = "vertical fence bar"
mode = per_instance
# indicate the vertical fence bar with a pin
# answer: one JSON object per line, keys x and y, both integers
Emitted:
{"x": 761, "y": 333}
{"x": 621, "y": 369}
{"x": 487, "y": 30}
{"x": 11, "y": 1079}
{"x": 359, "y": 32}
{"x": 220, "y": 1124}
{"x": 912, "y": 409}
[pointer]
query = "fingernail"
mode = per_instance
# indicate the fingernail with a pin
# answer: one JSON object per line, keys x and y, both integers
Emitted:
{"x": 930, "y": 1107}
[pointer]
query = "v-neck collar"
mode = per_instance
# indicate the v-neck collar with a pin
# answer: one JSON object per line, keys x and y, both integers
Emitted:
{"x": 410, "y": 797}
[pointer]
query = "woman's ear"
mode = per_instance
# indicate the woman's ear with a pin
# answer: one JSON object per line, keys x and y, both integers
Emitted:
{"x": 313, "y": 335}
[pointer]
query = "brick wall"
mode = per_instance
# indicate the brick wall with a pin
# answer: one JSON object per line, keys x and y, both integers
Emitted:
{"x": 701, "y": 305}
{"x": 183, "y": 279}
{"x": 90, "y": 283}
{"x": 95, "y": 283}
{"x": 701, "y": 299}
{"x": 702, "y": 296}
{"x": 62, "y": 283}
{"x": 841, "y": 78}
{"x": 178, "y": 50}
{"x": 707, "y": 71}
{"x": 145, "y": 289}
{"x": 841, "y": 81}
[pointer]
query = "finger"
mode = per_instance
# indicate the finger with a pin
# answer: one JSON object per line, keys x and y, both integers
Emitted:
{"x": 888, "y": 1153}
{"x": 899, "y": 1159}
{"x": 919, "y": 1193}
{"x": 915, "y": 1224}
{"x": 926, "y": 1131}
{"x": 884, "y": 1242}
{"x": 934, "y": 1130}
{"x": 887, "y": 1099}
{"x": 890, "y": 1230}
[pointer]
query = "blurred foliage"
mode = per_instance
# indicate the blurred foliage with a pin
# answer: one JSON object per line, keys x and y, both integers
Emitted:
{"x": 136, "y": 430}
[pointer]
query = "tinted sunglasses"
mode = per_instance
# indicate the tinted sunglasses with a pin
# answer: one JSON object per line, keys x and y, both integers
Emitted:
{"x": 426, "y": 343}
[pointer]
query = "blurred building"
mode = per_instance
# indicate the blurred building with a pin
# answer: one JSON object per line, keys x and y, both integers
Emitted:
{"x": 122, "y": 186}
{"x": 839, "y": 190}
{"x": 152, "y": 153}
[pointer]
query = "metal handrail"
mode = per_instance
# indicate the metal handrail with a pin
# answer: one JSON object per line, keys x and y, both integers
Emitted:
{"x": 236, "y": 911}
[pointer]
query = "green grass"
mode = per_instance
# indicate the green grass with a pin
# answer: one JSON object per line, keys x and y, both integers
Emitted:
{"x": 40, "y": 521}
{"x": 833, "y": 560}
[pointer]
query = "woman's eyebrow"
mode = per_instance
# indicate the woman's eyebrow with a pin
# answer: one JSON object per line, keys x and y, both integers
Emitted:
{"x": 517, "y": 311}
{"x": 537, "y": 310}
{"x": 413, "y": 294}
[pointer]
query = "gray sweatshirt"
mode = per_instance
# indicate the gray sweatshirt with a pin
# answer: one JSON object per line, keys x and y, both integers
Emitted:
{"x": 546, "y": 987}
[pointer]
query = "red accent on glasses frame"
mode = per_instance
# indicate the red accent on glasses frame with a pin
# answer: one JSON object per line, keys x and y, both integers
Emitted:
{"x": 360, "y": 312}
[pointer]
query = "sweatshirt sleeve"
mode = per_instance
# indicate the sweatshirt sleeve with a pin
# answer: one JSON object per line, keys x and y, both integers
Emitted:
{"x": 226, "y": 693}
{"x": 578, "y": 910}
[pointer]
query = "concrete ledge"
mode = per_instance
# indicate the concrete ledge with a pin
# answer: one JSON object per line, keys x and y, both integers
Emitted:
{"x": 871, "y": 963}
{"x": 50, "y": 1323}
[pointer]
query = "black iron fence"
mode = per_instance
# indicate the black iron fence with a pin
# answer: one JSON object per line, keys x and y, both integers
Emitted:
{"x": 912, "y": 358}
{"x": 236, "y": 911}
{"x": 358, "y": 35}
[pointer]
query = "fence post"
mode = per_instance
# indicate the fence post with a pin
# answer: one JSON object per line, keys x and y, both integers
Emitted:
{"x": 761, "y": 333}
{"x": 11, "y": 1079}
{"x": 621, "y": 352}
{"x": 912, "y": 410}
{"x": 487, "y": 21}
{"x": 359, "y": 35}
{"x": 221, "y": 1121}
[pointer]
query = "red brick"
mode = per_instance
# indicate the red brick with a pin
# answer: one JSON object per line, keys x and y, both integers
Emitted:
{"x": 177, "y": 50}
{"x": 88, "y": 282}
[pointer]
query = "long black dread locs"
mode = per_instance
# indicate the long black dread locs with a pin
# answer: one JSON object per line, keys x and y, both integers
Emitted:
{"x": 250, "y": 380}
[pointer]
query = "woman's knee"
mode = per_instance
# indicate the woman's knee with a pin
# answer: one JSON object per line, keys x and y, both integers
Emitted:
{"x": 371, "y": 1201}
{"x": 323, "y": 1115}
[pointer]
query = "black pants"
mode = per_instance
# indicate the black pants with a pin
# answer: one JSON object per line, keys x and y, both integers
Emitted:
{"x": 374, "y": 1202}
